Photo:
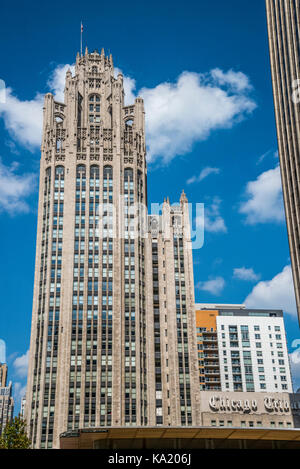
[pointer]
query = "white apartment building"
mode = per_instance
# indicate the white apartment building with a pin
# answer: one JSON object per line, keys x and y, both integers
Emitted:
{"x": 252, "y": 347}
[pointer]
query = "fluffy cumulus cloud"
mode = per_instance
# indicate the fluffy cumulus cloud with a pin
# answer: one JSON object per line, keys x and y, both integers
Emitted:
{"x": 21, "y": 365}
{"x": 14, "y": 189}
{"x": 246, "y": 274}
{"x": 178, "y": 114}
{"x": 203, "y": 175}
{"x": 264, "y": 202}
{"x": 237, "y": 81}
{"x": 277, "y": 293}
{"x": 214, "y": 286}
{"x": 182, "y": 113}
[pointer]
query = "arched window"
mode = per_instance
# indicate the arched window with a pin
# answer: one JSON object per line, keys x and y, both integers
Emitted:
{"x": 94, "y": 172}
{"x": 107, "y": 184}
{"x": 59, "y": 172}
{"x": 107, "y": 172}
{"x": 128, "y": 174}
{"x": 129, "y": 123}
{"x": 58, "y": 119}
{"x": 94, "y": 69}
{"x": 81, "y": 171}
{"x": 94, "y": 108}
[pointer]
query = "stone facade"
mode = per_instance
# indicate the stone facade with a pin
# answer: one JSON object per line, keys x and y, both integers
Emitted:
{"x": 113, "y": 340}
{"x": 284, "y": 38}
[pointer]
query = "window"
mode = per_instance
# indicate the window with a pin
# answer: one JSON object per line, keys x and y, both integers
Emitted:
{"x": 94, "y": 108}
{"x": 129, "y": 123}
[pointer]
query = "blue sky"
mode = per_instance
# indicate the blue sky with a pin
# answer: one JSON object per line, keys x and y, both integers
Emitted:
{"x": 203, "y": 70}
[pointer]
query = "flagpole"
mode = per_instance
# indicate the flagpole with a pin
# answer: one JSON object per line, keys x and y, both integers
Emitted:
{"x": 81, "y": 29}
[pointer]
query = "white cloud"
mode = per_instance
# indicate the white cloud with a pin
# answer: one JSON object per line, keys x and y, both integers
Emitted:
{"x": 19, "y": 391}
{"x": 264, "y": 202}
{"x": 236, "y": 80}
{"x": 21, "y": 365}
{"x": 213, "y": 222}
{"x": 182, "y": 113}
{"x": 23, "y": 119}
{"x": 14, "y": 188}
{"x": 203, "y": 175}
{"x": 277, "y": 293}
{"x": 214, "y": 286}
{"x": 246, "y": 274}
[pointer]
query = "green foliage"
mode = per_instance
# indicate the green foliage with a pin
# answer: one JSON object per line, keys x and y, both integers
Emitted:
{"x": 14, "y": 435}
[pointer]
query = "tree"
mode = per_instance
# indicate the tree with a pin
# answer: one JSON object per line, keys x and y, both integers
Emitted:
{"x": 14, "y": 435}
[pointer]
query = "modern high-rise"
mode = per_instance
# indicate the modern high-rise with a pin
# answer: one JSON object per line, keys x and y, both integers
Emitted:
{"x": 242, "y": 350}
{"x": 284, "y": 39}
{"x": 6, "y": 399}
{"x": 113, "y": 340}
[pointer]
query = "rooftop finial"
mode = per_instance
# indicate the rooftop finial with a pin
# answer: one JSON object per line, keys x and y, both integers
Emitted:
{"x": 183, "y": 197}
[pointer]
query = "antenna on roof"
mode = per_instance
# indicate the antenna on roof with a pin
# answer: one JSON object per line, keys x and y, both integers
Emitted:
{"x": 81, "y": 31}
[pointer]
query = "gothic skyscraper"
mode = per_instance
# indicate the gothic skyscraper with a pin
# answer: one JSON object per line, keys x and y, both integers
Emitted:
{"x": 113, "y": 339}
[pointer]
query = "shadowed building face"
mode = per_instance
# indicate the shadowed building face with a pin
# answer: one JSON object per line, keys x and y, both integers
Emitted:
{"x": 284, "y": 38}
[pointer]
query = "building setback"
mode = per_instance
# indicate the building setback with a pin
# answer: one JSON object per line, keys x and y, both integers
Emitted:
{"x": 113, "y": 338}
{"x": 284, "y": 39}
{"x": 249, "y": 349}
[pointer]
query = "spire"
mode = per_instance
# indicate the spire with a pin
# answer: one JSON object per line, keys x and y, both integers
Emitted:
{"x": 86, "y": 51}
{"x": 183, "y": 198}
